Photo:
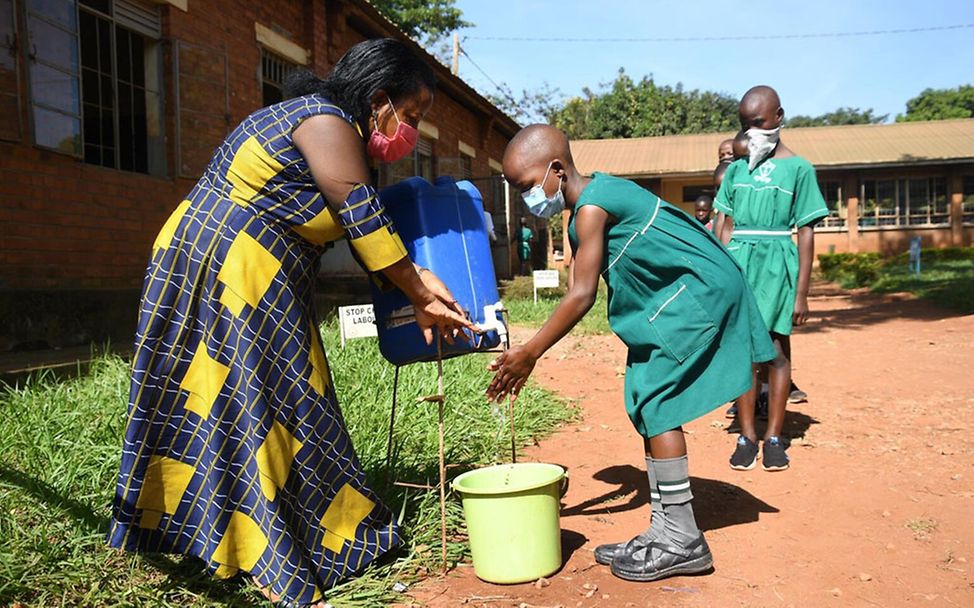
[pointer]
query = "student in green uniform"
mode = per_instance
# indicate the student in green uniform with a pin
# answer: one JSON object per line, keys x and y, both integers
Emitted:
{"x": 764, "y": 196}
{"x": 676, "y": 299}
{"x": 524, "y": 238}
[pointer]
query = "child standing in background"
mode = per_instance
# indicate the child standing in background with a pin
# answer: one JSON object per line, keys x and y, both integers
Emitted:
{"x": 764, "y": 196}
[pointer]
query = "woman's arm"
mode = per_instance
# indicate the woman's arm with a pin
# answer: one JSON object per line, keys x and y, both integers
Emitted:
{"x": 336, "y": 156}
{"x": 514, "y": 366}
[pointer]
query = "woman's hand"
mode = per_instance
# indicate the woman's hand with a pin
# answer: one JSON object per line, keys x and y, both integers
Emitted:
{"x": 434, "y": 314}
{"x": 439, "y": 289}
{"x": 512, "y": 370}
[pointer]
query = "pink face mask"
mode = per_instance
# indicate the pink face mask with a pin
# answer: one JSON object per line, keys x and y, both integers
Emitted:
{"x": 390, "y": 149}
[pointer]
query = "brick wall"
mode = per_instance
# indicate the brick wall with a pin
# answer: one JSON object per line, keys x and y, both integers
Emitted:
{"x": 67, "y": 225}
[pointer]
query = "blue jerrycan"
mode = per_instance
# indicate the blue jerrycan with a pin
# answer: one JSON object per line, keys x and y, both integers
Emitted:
{"x": 442, "y": 227}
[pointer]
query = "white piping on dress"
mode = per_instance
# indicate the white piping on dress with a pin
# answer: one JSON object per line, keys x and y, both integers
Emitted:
{"x": 635, "y": 234}
{"x": 761, "y": 233}
{"x": 667, "y": 302}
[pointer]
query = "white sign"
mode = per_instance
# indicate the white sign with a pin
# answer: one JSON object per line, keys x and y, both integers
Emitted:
{"x": 544, "y": 279}
{"x": 356, "y": 322}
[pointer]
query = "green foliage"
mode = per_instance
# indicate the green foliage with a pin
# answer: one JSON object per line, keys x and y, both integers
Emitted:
{"x": 946, "y": 277}
{"x": 940, "y": 104}
{"x": 429, "y": 20}
{"x": 850, "y": 269}
{"x": 529, "y": 107}
{"x": 841, "y": 116}
{"x": 628, "y": 108}
{"x": 60, "y": 443}
{"x": 518, "y": 297}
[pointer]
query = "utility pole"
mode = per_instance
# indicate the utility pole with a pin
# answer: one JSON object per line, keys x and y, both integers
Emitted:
{"x": 455, "y": 67}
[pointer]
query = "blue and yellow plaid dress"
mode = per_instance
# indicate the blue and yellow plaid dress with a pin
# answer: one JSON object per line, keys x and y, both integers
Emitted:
{"x": 235, "y": 450}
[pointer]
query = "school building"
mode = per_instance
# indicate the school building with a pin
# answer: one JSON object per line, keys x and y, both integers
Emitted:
{"x": 883, "y": 183}
{"x": 110, "y": 110}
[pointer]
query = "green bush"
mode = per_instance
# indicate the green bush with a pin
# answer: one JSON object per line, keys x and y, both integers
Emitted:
{"x": 851, "y": 269}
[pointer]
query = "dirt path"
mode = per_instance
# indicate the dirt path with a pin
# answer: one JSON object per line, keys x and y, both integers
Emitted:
{"x": 877, "y": 509}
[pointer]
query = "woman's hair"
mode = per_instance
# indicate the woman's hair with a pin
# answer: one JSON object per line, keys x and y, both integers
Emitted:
{"x": 380, "y": 64}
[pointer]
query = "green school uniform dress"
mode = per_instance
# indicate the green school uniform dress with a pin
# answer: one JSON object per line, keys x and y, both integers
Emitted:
{"x": 781, "y": 193}
{"x": 679, "y": 302}
{"x": 524, "y": 248}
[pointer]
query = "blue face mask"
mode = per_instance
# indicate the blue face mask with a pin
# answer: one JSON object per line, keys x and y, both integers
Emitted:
{"x": 538, "y": 202}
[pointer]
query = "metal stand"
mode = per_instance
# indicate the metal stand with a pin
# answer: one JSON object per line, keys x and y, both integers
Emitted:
{"x": 440, "y": 399}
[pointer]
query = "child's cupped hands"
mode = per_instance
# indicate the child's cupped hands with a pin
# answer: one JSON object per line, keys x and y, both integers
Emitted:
{"x": 511, "y": 370}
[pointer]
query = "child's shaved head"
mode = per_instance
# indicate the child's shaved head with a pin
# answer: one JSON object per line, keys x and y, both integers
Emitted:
{"x": 531, "y": 151}
{"x": 725, "y": 151}
{"x": 761, "y": 108}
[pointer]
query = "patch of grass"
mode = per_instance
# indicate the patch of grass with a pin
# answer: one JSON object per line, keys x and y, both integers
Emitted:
{"x": 946, "y": 277}
{"x": 948, "y": 283}
{"x": 921, "y": 527}
{"x": 518, "y": 297}
{"x": 59, "y": 452}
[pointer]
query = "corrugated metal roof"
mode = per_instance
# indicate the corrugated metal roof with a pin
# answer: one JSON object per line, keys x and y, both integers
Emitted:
{"x": 843, "y": 146}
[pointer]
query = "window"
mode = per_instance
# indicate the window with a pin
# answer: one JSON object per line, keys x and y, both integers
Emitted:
{"x": 54, "y": 75}
{"x": 9, "y": 74}
{"x": 904, "y": 202}
{"x": 420, "y": 163}
{"x": 832, "y": 193}
{"x": 273, "y": 71}
{"x": 466, "y": 167}
{"x": 967, "y": 203}
{"x": 95, "y": 82}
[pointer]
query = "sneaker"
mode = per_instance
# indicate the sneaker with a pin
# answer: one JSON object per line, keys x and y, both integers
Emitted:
{"x": 604, "y": 554}
{"x": 660, "y": 560}
{"x": 731, "y": 411}
{"x": 745, "y": 456}
{"x": 774, "y": 457}
{"x": 797, "y": 395}
{"x": 761, "y": 406}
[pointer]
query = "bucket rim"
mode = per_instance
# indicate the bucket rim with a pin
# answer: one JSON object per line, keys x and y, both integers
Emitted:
{"x": 458, "y": 480}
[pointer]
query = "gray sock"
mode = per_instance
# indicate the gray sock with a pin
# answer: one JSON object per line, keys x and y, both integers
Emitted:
{"x": 673, "y": 480}
{"x": 656, "y": 523}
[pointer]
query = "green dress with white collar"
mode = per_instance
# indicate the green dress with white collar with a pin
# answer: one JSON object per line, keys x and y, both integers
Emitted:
{"x": 679, "y": 302}
{"x": 780, "y": 194}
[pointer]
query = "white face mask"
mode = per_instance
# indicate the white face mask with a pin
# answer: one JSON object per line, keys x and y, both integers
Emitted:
{"x": 538, "y": 202}
{"x": 760, "y": 143}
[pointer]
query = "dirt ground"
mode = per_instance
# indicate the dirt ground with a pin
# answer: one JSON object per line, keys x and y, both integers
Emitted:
{"x": 876, "y": 510}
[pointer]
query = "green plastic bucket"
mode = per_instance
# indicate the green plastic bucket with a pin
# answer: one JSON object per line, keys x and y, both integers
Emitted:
{"x": 512, "y": 520}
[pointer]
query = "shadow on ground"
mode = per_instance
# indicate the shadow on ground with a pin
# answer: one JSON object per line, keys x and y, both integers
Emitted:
{"x": 717, "y": 504}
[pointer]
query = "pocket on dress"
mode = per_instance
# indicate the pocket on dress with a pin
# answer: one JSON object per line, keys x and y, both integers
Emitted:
{"x": 678, "y": 323}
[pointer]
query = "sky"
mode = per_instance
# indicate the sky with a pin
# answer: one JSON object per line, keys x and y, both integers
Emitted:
{"x": 812, "y": 75}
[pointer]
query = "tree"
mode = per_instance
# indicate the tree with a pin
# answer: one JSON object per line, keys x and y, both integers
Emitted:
{"x": 628, "y": 108}
{"x": 940, "y": 104}
{"x": 532, "y": 106}
{"x": 841, "y": 116}
{"x": 427, "y": 21}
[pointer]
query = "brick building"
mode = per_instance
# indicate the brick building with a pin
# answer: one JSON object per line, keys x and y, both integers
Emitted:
{"x": 883, "y": 184}
{"x": 110, "y": 109}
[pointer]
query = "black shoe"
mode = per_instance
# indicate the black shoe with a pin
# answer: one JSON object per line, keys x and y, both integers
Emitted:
{"x": 745, "y": 456}
{"x": 761, "y": 406}
{"x": 774, "y": 457}
{"x": 731, "y": 411}
{"x": 604, "y": 554}
{"x": 659, "y": 560}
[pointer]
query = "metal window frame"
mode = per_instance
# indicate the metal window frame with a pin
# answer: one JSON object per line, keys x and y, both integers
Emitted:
{"x": 31, "y": 54}
{"x": 15, "y": 48}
